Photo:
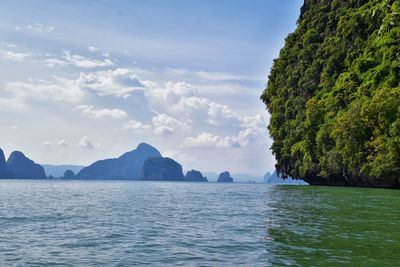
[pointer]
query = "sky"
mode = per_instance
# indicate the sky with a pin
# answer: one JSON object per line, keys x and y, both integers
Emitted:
{"x": 87, "y": 80}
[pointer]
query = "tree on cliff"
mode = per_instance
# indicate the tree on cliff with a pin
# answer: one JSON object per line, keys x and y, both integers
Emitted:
{"x": 334, "y": 94}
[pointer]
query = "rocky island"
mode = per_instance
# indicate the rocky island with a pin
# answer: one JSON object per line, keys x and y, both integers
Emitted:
{"x": 334, "y": 95}
{"x": 126, "y": 167}
{"x": 195, "y": 176}
{"x": 22, "y": 167}
{"x": 225, "y": 177}
{"x": 162, "y": 169}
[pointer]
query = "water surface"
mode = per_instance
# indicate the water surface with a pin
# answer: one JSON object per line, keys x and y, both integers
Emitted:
{"x": 116, "y": 223}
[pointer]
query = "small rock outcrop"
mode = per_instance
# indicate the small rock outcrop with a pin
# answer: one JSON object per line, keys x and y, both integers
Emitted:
{"x": 195, "y": 176}
{"x": 68, "y": 174}
{"x": 162, "y": 169}
{"x": 225, "y": 177}
{"x": 24, "y": 168}
{"x": 4, "y": 172}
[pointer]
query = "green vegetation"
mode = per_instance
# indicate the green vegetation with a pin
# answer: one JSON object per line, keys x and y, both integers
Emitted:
{"x": 334, "y": 95}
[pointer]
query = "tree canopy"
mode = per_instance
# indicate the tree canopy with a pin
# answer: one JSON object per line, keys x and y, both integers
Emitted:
{"x": 334, "y": 94}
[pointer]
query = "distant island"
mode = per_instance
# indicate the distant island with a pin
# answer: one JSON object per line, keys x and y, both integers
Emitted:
{"x": 126, "y": 167}
{"x": 18, "y": 166}
{"x": 334, "y": 95}
{"x": 225, "y": 177}
{"x": 143, "y": 163}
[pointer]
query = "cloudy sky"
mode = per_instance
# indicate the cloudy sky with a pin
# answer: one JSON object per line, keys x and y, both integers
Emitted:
{"x": 87, "y": 80}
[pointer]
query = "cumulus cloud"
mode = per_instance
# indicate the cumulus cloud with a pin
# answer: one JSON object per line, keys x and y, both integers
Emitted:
{"x": 213, "y": 113}
{"x": 168, "y": 94}
{"x": 85, "y": 143}
{"x": 97, "y": 113}
{"x": 120, "y": 82}
{"x": 208, "y": 140}
{"x": 166, "y": 125}
{"x": 59, "y": 90}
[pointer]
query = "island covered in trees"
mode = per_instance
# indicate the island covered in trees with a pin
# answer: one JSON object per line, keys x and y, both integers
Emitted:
{"x": 334, "y": 95}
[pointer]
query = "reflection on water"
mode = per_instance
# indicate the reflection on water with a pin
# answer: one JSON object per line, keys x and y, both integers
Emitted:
{"x": 112, "y": 223}
{"x": 325, "y": 226}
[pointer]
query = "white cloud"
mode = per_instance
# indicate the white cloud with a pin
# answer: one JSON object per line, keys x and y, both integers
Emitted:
{"x": 210, "y": 76}
{"x": 93, "y": 49}
{"x": 69, "y": 59}
{"x": 135, "y": 125}
{"x": 208, "y": 140}
{"x": 85, "y": 143}
{"x": 38, "y": 27}
{"x": 163, "y": 97}
{"x": 47, "y": 143}
{"x": 15, "y": 56}
{"x": 54, "y": 63}
{"x": 60, "y": 90}
{"x": 9, "y": 45}
{"x": 62, "y": 143}
{"x": 166, "y": 125}
{"x": 92, "y": 112}
{"x": 119, "y": 82}
{"x": 84, "y": 62}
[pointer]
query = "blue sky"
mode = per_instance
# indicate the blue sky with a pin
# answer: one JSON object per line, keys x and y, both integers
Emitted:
{"x": 86, "y": 80}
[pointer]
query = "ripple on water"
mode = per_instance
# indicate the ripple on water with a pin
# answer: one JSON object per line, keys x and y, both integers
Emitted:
{"x": 97, "y": 223}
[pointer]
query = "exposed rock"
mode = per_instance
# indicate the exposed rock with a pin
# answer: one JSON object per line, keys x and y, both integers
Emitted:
{"x": 24, "y": 168}
{"x": 162, "y": 169}
{"x": 274, "y": 178}
{"x": 225, "y": 177}
{"x": 195, "y": 176}
{"x": 4, "y": 172}
{"x": 266, "y": 177}
{"x": 68, "y": 174}
{"x": 126, "y": 167}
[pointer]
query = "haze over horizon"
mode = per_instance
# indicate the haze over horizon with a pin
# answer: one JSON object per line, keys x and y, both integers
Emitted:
{"x": 79, "y": 83}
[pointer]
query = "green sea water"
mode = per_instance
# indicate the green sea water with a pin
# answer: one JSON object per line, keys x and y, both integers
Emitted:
{"x": 127, "y": 223}
{"x": 334, "y": 226}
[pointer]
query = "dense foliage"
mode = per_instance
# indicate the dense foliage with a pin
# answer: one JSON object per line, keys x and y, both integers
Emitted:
{"x": 334, "y": 94}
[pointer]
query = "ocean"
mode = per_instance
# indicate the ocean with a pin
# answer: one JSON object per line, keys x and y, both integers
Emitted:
{"x": 128, "y": 223}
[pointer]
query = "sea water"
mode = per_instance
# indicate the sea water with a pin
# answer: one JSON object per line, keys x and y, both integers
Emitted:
{"x": 127, "y": 223}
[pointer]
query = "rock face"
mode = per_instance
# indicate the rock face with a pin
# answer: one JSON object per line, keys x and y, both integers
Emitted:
{"x": 274, "y": 178}
{"x": 195, "y": 176}
{"x": 4, "y": 172}
{"x": 24, "y": 168}
{"x": 266, "y": 177}
{"x": 162, "y": 169}
{"x": 334, "y": 95}
{"x": 126, "y": 167}
{"x": 68, "y": 174}
{"x": 225, "y": 177}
